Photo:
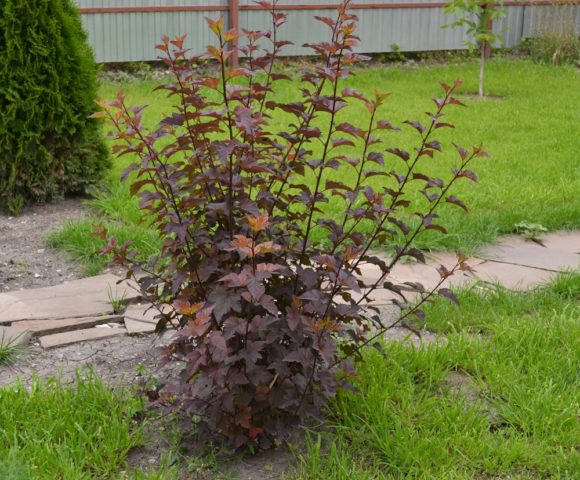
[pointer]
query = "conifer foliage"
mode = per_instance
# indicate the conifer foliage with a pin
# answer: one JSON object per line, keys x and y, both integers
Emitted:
{"x": 48, "y": 146}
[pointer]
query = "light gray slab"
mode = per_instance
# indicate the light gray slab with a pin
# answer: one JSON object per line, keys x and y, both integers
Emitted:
{"x": 563, "y": 241}
{"x": 144, "y": 313}
{"x": 80, "y": 298}
{"x": 135, "y": 327}
{"x": 425, "y": 274}
{"x": 517, "y": 251}
{"x": 49, "y": 326}
{"x": 514, "y": 277}
{"x": 77, "y": 336}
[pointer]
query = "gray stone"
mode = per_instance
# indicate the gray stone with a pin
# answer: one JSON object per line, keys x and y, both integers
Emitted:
{"x": 13, "y": 336}
{"x": 144, "y": 313}
{"x": 135, "y": 327}
{"x": 77, "y": 336}
{"x": 513, "y": 277}
{"x": 518, "y": 251}
{"x": 48, "y": 326}
{"x": 80, "y": 298}
{"x": 426, "y": 274}
{"x": 563, "y": 241}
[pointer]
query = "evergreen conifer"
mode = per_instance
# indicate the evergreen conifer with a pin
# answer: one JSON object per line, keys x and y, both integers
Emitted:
{"x": 48, "y": 146}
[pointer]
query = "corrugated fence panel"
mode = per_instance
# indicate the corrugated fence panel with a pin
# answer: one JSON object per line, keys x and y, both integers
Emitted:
{"x": 131, "y": 37}
{"x": 550, "y": 17}
{"x": 407, "y": 25}
{"x": 410, "y": 29}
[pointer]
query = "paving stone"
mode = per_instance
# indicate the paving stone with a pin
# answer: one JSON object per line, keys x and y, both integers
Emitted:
{"x": 77, "y": 336}
{"x": 427, "y": 275}
{"x": 49, "y": 326}
{"x": 143, "y": 313}
{"x": 79, "y": 298}
{"x": 13, "y": 336}
{"x": 563, "y": 241}
{"x": 513, "y": 277}
{"x": 135, "y": 327}
{"x": 518, "y": 251}
{"x": 423, "y": 273}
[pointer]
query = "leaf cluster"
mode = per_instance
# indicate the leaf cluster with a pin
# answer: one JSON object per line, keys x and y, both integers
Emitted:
{"x": 476, "y": 16}
{"x": 269, "y": 322}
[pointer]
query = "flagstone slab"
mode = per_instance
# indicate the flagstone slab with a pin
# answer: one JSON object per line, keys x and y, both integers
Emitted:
{"x": 134, "y": 327}
{"x": 80, "y": 298}
{"x": 50, "y": 326}
{"x": 13, "y": 336}
{"x": 143, "y": 313}
{"x": 86, "y": 335}
{"x": 563, "y": 241}
{"x": 427, "y": 275}
{"x": 513, "y": 277}
{"x": 518, "y": 251}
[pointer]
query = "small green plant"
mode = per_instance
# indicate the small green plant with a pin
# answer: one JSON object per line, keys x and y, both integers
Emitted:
{"x": 9, "y": 349}
{"x": 12, "y": 467}
{"x": 118, "y": 302}
{"x": 395, "y": 54}
{"x": 478, "y": 17}
{"x": 531, "y": 231}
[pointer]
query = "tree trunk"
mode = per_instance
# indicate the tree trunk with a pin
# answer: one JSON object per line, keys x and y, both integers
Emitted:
{"x": 481, "y": 68}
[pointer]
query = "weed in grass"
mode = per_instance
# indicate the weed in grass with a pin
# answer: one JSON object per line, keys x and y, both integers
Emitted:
{"x": 9, "y": 350}
{"x": 531, "y": 231}
{"x": 75, "y": 238}
{"x": 117, "y": 302}
{"x": 11, "y": 467}
{"x": 166, "y": 471}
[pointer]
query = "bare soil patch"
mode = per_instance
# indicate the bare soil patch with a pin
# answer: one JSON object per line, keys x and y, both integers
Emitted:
{"x": 25, "y": 261}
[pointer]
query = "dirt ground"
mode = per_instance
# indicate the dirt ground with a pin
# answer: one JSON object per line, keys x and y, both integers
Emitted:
{"x": 25, "y": 261}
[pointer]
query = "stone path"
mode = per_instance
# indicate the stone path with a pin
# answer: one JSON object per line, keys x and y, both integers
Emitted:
{"x": 72, "y": 312}
{"x": 513, "y": 262}
{"x": 81, "y": 310}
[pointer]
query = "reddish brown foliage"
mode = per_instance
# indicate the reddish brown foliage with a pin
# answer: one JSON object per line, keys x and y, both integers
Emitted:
{"x": 268, "y": 321}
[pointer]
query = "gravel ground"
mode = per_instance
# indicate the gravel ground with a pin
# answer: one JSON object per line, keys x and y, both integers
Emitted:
{"x": 25, "y": 261}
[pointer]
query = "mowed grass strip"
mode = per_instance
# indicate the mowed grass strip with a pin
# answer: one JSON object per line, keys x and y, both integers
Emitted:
{"x": 56, "y": 431}
{"x": 498, "y": 397}
{"x": 529, "y": 125}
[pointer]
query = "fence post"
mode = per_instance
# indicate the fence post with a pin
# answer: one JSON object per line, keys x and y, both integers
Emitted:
{"x": 234, "y": 24}
{"x": 488, "y": 47}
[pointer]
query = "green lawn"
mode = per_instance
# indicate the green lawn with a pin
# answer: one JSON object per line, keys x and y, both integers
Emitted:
{"x": 498, "y": 399}
{"x": 531, "y": 132}
{"x": 54, "y": 431}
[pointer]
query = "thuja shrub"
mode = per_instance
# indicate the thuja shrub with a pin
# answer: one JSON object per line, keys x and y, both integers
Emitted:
{"x": 48, "y": 145}
{"x": 269, "y": 322}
